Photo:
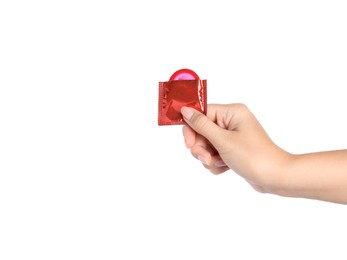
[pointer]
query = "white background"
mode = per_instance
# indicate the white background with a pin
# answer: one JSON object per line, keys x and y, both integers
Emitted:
{"x": 86, "y": 173}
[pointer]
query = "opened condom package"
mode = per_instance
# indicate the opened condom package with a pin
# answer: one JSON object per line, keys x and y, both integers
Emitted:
{"x": 184, "y": 88}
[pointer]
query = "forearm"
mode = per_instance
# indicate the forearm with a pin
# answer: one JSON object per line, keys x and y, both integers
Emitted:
{"x": 321, "y": 176}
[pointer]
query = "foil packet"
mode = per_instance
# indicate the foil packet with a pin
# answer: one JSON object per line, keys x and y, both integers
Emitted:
{"x": 184, "y": 88}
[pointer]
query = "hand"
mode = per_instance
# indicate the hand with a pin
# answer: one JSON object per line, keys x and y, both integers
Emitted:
{"x": 230, "y": 137}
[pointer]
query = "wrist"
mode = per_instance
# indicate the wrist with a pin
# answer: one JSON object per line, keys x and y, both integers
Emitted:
{"x": 279, "y": 181}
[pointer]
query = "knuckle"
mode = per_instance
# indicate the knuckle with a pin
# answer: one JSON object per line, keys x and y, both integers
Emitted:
{"x": 240, "y": 110}
{"x": 200, "y": 121}
{"x": 242, "y": 107}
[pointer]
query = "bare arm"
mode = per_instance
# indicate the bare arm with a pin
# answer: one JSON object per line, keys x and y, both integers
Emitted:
{"x": 320, "y": 176}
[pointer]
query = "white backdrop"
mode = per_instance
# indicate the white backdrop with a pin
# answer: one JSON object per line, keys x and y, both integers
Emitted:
{"x": 86, "y": 173}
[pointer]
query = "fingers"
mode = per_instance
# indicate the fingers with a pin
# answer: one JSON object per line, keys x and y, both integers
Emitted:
{"x": 204, "y": 126}
{"x": 217, "y": 165}
{"x": 189, "y": 136}
{"x": 201, "y": 153}
{"x": 209, "y": 158}
{"x": 202, "y": 134}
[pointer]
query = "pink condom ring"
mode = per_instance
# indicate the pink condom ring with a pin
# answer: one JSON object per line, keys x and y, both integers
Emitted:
{"x": 184, "y": 74}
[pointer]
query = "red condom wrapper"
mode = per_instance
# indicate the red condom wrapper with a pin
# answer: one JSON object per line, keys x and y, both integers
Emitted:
{"x": 184, "y": 88}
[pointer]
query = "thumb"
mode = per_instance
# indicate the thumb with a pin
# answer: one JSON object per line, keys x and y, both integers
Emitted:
{"x": 204, "y": 126}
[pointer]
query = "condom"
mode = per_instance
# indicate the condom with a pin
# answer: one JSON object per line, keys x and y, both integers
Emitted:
{"x": 184, "y": 88}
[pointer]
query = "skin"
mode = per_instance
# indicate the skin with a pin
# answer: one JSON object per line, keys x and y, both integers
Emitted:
{"x": 230, "y": 137}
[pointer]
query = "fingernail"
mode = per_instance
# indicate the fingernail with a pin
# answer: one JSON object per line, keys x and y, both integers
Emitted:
{"x": 202, "y": 159}
{"x": 220, "y": 163}
{"x": 187, "y": 112}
